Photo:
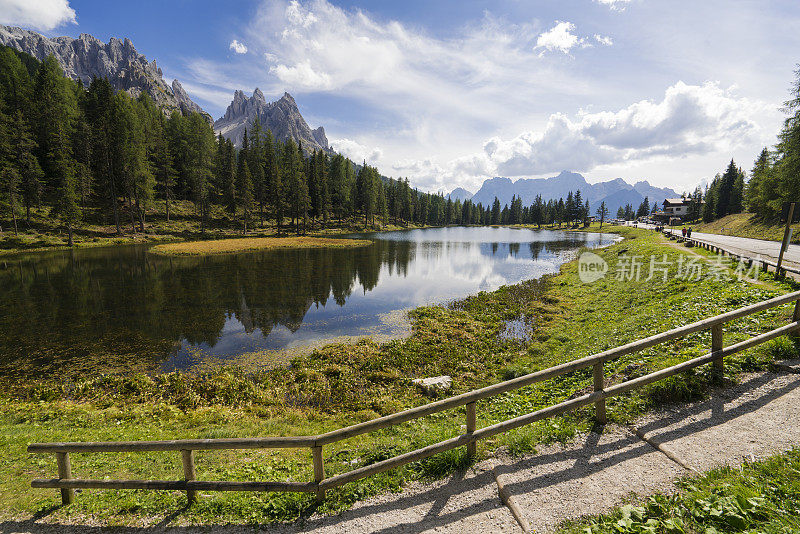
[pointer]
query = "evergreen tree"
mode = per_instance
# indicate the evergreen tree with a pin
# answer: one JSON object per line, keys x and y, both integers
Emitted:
{"x": 244, "y": 189}
{"x": 56, "y": 108}
{"x": 21, "y": 158}
{"x": 602, "y": 212}
{"x": 274, "y": 185}
{"x": 756, "y": 194}
{"x": 496, "y": 212}
{"x": 644, "y": 208}
{"x": 295, "y": 183}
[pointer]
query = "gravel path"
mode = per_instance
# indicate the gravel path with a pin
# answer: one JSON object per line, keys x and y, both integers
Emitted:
{"x": 753, "y": 419}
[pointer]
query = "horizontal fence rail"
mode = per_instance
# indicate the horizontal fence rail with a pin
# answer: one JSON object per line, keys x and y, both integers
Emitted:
{"x": 779, "y": 270}
{"x": 67, "y": 484}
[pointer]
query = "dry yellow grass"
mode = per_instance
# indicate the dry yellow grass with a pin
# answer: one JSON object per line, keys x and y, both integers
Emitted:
{"x": 228, "y": 246}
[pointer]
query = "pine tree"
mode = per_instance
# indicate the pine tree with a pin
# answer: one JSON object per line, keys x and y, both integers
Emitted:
{"x": 162, "y": 164}
{"x": 244, "y": 190}
{"x": 496, "y": 213}
{"x": 21, "y": 157}
{"x": 756, "y": 194}
{"x": 602, "y": 212}
{"x": 55, "y": 112}
{"x": 272, "y": 178}
{"x": 295, "y": 183}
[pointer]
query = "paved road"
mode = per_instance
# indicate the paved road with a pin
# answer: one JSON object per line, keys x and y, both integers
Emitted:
{"x": 748, "y": 247}
{"x": 751, "y": 247}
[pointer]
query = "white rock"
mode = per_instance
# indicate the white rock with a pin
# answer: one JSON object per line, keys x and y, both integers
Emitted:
{"x": 434, "y": 383}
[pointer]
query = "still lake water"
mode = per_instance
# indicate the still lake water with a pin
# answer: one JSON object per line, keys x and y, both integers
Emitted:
{"x": 124, "y": 309}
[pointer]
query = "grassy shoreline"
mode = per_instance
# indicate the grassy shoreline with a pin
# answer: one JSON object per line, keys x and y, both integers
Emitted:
{"x": 43, "y": 235}
{"x": 248, "y": 244}
{"x": 343, "y": 384}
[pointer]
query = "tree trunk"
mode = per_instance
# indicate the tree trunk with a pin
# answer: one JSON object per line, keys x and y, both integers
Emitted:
{"x": 28, "y": 213}
{"x": 140, "y": 213}
{"x": 14, "y": 215}
{"x": 130, "y": 211}
{"x": 69, "y": 233}
{"x": 167, "y": 201}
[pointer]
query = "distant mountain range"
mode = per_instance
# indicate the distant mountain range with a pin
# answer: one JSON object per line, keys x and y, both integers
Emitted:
{"x": 282, "y": 117}
{"x": 118, "y": 61}
{"x": 459, "y": 193}
{"x": 615, "y": 193}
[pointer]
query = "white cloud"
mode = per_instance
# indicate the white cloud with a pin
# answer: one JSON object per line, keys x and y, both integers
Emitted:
{"x": 301, "y": 74}
{"x": 689, "y": 120}
{"x": 560, "y": 38}
{"x": 616, "y": 5}
{"x": 42, "y": 15}
{"x": 603, "y": 39}
{"x": 357, "y": 151}
{"x": 238, "y": 47}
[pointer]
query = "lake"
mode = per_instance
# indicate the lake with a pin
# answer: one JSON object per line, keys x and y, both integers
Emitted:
{"x": 123, "y": 309}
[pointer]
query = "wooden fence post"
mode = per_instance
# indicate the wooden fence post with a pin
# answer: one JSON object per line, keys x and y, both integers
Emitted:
{"x": 716, "y": 346}
{"x": 319, "y": 470}
{"x": 795, "y": 318}
{"x": 472, "y": 447}
{"x": 600, "y": 405}
{"x": 189, "y": 474}
{"x": 65, "y": 473}
{"x": 787, "y": 235}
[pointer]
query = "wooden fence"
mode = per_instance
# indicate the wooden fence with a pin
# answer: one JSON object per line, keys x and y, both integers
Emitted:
{"x": 66, "y": 483}
{"x": 673, "y": 234}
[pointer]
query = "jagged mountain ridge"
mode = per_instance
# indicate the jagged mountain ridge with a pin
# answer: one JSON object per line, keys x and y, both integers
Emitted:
{"x": 282, "y": 117}
{"x": 118, "y": 61}
{"x": 615, "y": 193}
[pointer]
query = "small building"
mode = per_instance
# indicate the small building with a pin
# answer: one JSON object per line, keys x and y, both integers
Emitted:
{"x": 677, "y": 207}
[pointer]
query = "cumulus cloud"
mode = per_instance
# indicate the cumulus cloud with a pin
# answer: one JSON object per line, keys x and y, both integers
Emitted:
{"x": 302, "y": 74}
{"x": 238, "y": 47}
{"x": 42, "y": 15}
{"x": 603, "y": 39}
{"x": 356, "y": 151}
{"x": 559, "y": 38}
{"x": 616, "y": 5}
{"x": 689, "y": 120}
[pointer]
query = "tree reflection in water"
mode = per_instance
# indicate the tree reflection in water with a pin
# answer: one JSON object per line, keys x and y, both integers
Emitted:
{"x": 122, "y": 309}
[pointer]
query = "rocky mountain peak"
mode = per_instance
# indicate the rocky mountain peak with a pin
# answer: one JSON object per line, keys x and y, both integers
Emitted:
{"x": 117, "y": 61}
{"x": 282, "y": 117}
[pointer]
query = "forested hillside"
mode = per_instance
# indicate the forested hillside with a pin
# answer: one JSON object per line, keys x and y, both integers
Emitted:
{"x": 79, "y": 154}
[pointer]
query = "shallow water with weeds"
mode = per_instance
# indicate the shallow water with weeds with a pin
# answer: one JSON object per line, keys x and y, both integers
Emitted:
{"x": 128, "y": 310}
{"x": 344, "y": 384}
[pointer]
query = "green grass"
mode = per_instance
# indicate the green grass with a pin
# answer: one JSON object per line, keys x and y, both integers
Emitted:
{"x": 755, "y": 497}
{"x": 343, "y": 384}
{"x": 747, "y": 225}
{"x": 44, "y": 232}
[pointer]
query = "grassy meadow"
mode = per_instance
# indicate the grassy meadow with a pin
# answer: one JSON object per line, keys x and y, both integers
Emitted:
{"x": 342, "y": 384}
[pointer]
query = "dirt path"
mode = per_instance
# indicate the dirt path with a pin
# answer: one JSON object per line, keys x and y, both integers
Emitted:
{"x": 752, "y": 420}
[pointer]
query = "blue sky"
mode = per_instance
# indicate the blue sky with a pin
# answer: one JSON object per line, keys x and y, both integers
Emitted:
{"x": 449, "y": 93}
